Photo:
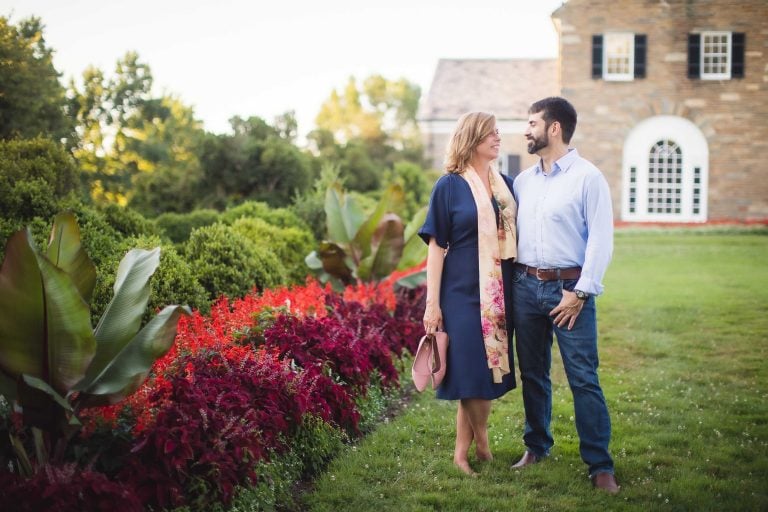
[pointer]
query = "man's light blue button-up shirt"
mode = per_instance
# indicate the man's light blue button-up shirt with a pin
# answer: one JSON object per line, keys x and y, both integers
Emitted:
{"x": 565, "y": 219}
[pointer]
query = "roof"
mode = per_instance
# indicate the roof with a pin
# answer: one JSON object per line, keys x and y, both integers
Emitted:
{"x": 504, "y": 87}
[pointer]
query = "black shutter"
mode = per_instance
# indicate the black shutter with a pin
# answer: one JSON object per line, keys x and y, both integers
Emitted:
{"x": 597, "y": 56}
{"x": 694, "y": 55}
{"x": 640, "y": 46}
{"x": 738, "y": 44}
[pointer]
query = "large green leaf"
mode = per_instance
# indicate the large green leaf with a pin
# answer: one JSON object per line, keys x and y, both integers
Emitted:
{"x": 42, "y": 406}
{"x": 414, "y": 225}
{"x": 390, "y": 201}
{"x": 124, "y": 374}
{"x": 7, "y": 387}
{"x": 313, "y": 261}
{"x": 386, "y": 247}
{"x": 412, "y": 280}
{"x": 22, "y": 313}
{"x": 68, "y": 342}
{"x": 343, "y": 216}
{"x": 415, "y": 250}
{"x": 66, "y": 252}
{"x": 122, "y": 317}
{"x": 336, "y": 262}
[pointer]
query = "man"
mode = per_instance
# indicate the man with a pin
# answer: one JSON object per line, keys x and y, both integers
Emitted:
{"x": 565, "y": 242}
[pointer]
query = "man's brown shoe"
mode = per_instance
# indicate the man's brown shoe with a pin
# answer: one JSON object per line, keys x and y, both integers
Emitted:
{"x": 527, "y": 459}
{"x": 606, "y": 482}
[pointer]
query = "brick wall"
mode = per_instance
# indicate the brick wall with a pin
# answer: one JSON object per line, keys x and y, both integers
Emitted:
{"x": 732, "y": 114}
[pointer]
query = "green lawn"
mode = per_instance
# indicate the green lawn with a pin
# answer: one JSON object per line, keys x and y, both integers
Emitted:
{"x": 683, "y": 327}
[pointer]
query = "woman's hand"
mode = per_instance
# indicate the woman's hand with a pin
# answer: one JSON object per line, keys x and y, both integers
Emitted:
{"x": 433, "y": 318}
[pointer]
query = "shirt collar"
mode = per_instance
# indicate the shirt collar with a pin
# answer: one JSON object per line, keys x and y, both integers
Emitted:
{"x": 563, "y": 164}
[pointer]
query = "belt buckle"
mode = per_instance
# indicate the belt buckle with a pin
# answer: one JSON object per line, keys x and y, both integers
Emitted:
{"x": 545, "y": 271}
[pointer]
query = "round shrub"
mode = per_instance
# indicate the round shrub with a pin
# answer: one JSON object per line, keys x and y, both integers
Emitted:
{"x": 290, "y": 244}
{"x": 281, "y": 217}
{"x": 173, "y": 282}
{"x": 226, "y": 262}
{"x": 35, "y": 176}
{"x": 178, "y": 226}
{"x": 40, "y": 228}
{"x": 127, "y": 221}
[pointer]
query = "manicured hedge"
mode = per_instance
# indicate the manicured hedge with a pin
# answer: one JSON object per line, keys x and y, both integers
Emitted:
{"x": 226, "y": 262}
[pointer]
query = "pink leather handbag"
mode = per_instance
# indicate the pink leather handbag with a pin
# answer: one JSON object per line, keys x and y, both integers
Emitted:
{"x": 429, "y": 363}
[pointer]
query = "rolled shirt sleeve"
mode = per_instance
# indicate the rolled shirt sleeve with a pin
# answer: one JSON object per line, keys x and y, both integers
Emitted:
{"x": 565, "y": 219}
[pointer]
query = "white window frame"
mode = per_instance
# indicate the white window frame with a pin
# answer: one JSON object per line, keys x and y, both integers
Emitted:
{"x": 627, "y": 40}
{"x": 695, "y": 170}
{"x": 703, "y": 54}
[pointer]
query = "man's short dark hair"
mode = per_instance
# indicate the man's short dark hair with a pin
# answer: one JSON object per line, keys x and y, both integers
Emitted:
{"x": 557, "y": 109}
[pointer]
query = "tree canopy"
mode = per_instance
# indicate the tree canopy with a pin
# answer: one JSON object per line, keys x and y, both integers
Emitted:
{"x": 32, "y": 100}
{"x": 367, "y": 129}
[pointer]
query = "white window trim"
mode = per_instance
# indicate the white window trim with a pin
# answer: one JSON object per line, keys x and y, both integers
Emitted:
{"x": 695, "y": 152}
{"x": 715, "y": 76}
{"x": 619, "y": 77}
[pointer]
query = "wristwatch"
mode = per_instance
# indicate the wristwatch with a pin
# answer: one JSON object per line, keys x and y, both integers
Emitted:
{"x": 581, "y": 295}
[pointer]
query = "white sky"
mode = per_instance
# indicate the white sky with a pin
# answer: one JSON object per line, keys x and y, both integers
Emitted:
{"x": 240, "y": 57}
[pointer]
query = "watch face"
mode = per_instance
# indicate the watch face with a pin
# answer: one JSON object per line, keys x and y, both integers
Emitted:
{"x": 582, "y": 295}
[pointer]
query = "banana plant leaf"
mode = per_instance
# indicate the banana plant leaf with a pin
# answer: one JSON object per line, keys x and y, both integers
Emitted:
{"x": 386, "y": 249}
{"x": 313, "y": 262}
{"x": 69, "y": 344}
{"x": 336, "y": 262}
{"x": 45, "y": 329}
{"x": 66, "y": 252}
{"x": 391, "y": 200}
{"x": 122, "y": 317}
{"x": 412, "y": 280}
{"x": 343, "y": 216}
{"x": 7, "y": 387}
{"x": 42, "y": 406}
{"x": 129, "y": 368}
{"x": 22, "y": 325}
{"x": 415, "y": 250}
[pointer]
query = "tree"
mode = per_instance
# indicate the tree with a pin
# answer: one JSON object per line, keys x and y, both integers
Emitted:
{"x": 366, "y": 130}
{"x": 129, "y": 140}
{"x": 102, "y": 109}
{"x": 32, "y": 101}
{"x": 256, "y": 162}
{"x": 167, "y": 171}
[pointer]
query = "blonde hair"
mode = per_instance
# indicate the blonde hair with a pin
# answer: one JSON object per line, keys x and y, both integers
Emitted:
{"x": 470, "y": 131}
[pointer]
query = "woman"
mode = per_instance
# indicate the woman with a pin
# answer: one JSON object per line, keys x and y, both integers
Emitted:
{"x": 470, "y": 229}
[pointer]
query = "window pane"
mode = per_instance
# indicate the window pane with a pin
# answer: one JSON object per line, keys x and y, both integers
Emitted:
{"x": 619, "y": 56}
{"x": 715, "y": 55}
{"x": 665, "y": 166}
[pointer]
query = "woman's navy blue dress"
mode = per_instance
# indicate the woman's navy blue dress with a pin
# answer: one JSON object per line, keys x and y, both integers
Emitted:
{"x": 452, "y": 221}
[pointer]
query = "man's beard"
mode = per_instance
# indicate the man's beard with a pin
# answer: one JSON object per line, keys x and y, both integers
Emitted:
{"x": 535, "y": 145}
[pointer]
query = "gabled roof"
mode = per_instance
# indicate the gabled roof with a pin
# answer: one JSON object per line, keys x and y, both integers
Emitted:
{"x": 504, "y": 87}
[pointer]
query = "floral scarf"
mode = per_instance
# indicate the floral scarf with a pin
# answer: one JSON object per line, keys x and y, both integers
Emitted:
{"x": 496, "y": 241}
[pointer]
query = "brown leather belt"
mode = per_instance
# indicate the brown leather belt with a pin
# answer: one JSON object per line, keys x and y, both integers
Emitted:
{"x": 551, "y": 274}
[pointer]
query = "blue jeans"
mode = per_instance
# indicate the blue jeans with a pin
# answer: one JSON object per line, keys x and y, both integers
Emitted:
{"x": 532, "y": 302}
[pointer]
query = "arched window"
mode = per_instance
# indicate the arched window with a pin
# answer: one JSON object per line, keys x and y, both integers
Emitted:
{"x": 665, "y": 178}
{"x": 665, "y": 169}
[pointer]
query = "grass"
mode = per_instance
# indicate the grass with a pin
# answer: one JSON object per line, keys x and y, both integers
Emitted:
{"x": 683, "y": 327}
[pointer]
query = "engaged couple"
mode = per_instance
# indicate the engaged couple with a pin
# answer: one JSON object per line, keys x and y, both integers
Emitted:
{"x": 526, "y": 256}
